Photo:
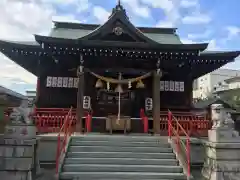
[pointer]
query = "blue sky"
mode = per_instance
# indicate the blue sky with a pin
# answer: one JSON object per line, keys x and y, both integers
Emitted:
{"x": 213, "y": 21}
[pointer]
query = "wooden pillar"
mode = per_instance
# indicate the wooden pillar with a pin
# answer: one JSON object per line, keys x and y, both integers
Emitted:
{"x": 156, "y": 102}
{"x": 36, "y": 101}
{"x": 80, "y": 95}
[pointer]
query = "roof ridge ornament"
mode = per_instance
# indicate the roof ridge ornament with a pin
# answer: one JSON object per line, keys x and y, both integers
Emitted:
{"x": 118, "y": 8}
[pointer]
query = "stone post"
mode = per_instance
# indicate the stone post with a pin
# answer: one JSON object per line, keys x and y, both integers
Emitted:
{"x": 18, "y": 148}
{"x": 223, "y": 147}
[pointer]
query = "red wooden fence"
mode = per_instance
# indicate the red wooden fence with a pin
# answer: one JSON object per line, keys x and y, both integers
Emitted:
{"x": 52, "y": 119}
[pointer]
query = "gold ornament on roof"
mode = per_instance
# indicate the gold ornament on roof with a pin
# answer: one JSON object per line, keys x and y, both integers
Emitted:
{"x": 108, "y": 86}
{"x": 118, "y": 31}
{"x": 140, "y": 84}
{"x": 99, "y": 84}
{"x": 129, "y": 84}
{"x": 119, "y": 89}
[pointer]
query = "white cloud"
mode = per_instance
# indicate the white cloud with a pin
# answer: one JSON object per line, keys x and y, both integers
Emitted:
{"x": 137, "y": 9}
{"x": 170, "y": 9}
{"x": 233, "y": 31}
{"x": 196, "y": 15}
{"x": 101, "y": 14}
{"x": 66, "y": 18}
{"x": 166, "y": 5}
{"x": 189, "y": 3}
{"x": 187, "y": 41}
{"x": 212, "y": 46}
{"x": 200, "y": 36}
{"x": 197, "y": 18}
{"x": 10, "y": 70}
{"x": 18, "y": 21}
{"x": 165, "y": 24}
{"x": 80, "y": 5}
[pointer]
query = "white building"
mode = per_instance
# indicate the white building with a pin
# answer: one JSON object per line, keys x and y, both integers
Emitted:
{"x": 204, "y": 86}
{"x": 228, "y": 84}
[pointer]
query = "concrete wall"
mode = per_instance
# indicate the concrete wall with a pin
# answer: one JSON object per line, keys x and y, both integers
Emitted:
{"x": 47, "y": 148}
{"x": 198, "y": 152}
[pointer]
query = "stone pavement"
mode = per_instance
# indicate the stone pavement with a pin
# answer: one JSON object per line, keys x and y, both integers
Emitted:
{"x": 47, "y": 174}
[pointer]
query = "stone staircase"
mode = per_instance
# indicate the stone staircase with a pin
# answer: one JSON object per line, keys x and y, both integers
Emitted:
{"x": 103, "y": 157}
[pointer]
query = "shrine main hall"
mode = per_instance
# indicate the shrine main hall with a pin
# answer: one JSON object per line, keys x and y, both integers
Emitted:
{"x": 114, "y": 70}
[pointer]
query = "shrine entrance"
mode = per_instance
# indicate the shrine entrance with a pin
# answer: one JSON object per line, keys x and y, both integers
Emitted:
{"x": 117, "y": 99}
{"x": 117, "y": 107}
{"x": 113, "y": 103}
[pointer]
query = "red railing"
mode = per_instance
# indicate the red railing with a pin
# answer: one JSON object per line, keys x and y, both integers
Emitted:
{"x": 65, "y": 132}
{"x": 174, "y": 129}
{"x": 191, "y": 122}
{"x": 50, "y": 120}
{"x": 88, "y": 123}
{"x": 144, "y": 119}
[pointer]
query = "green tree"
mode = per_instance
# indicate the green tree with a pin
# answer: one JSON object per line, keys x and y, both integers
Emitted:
{"x": 232, "y": 97}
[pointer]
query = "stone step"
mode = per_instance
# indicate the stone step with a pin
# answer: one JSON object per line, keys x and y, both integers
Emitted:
{"x": 121, "y": 168}
{"x": 121, "y": 161}
{"x": 118, "y": 149}
{"x": 120, "y": 144}
{"x": 120, "y": 138}
{"x": 121, "y": 155}
{"x": 112, "y": 179}
{"x": 121, "y": 176}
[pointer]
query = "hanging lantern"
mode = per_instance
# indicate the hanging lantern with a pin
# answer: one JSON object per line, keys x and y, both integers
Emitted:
{"x": 129, "y": 84}
{"x": 99, "y": 84}
{"x": 119, "y": 88}
{"x": 108, "y": 86}
{"x": 140, "y": 84}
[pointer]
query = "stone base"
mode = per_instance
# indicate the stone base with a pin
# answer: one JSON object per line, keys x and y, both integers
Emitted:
{"x": 16, "y": 175}
{"x": 223, "y": 135}
{"x": 222, "y": 161}
{"x": 222, "y": 175}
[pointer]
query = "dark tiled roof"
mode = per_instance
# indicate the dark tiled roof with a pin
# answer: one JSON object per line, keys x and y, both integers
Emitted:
{"x": 9, "y": 92}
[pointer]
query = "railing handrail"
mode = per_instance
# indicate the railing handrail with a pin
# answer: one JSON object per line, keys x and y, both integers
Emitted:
{"x": 179, "y": 140}
{"x": 180, "y": 126}
{"x": 186, "y": 114}
{"x": 65, "y": 129}
{"x": 183, "y": 130}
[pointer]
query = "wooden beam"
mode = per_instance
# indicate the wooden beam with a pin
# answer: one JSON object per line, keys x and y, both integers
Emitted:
{"x": 127, "y": 71}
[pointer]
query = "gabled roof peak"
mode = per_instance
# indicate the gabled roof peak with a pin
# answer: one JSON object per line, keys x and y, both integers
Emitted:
{"x": 118, "y": 9}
